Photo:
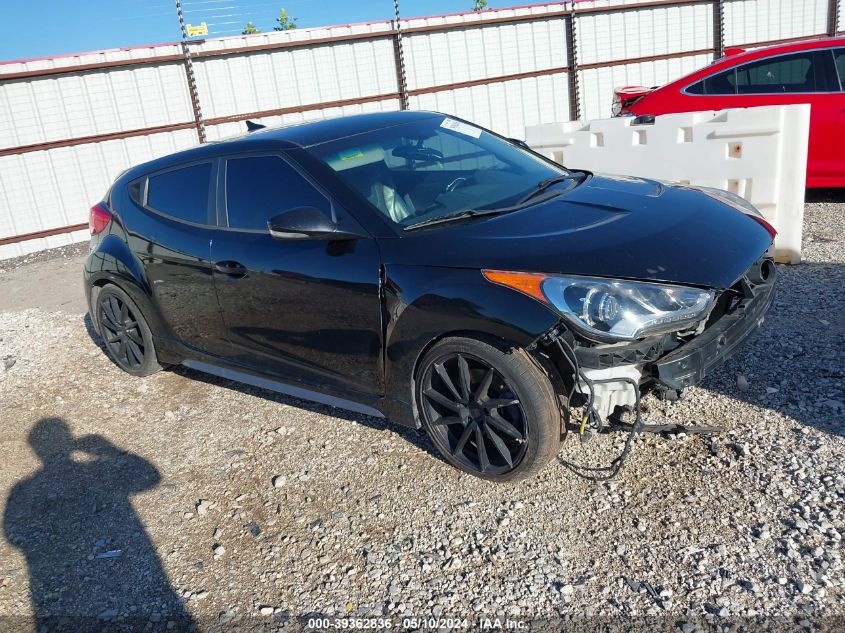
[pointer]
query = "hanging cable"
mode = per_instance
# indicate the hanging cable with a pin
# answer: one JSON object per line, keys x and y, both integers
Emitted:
{"x": 599, "y": 473}
{"x": 602, "y": 473}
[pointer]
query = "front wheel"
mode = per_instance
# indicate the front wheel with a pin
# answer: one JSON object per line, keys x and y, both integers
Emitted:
{"x": 490, "y": 413}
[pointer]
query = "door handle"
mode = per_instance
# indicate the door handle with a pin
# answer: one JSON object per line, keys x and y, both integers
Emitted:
{"x": 233, "y": 269}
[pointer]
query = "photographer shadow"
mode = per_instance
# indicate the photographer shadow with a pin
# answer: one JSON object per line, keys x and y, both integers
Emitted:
{"x": 91, "y": 563}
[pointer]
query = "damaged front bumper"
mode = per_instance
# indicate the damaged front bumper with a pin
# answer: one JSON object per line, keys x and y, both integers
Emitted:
{"x": 691, "y": 362}
{"x": 670, "y": 364}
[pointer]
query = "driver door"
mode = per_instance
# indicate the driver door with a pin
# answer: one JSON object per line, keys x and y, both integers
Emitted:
{"x": 305, "y": 310}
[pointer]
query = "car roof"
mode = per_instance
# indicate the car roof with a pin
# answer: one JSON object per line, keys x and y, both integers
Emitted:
{"x": 316, "y": 132}
{"x": 770, "y": 51}
{"x": 285, "y": 137}
{"x": 729, "y": 61}
{"x": 787, "y": 47}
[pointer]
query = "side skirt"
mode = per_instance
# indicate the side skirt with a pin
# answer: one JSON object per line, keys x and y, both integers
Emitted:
{"x": 280, "y": 387}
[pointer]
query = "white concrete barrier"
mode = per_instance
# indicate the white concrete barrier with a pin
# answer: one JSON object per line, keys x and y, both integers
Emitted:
{"x": 757, "y": 153}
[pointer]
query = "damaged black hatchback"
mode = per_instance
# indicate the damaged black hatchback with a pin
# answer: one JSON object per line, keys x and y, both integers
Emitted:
{"x": 414, "y": 266}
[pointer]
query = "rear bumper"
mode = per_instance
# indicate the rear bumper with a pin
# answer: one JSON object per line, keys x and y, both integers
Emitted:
{"x": 689, "y": 364}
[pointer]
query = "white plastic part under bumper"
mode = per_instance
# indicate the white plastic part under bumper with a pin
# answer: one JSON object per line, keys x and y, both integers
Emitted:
{"x": 609, "y": 395}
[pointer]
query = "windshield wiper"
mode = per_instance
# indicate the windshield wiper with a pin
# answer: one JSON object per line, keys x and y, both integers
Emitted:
{"x": 453, "y": 217}
{"x": 541, "y": 187}
{"x": 472, "y": 213}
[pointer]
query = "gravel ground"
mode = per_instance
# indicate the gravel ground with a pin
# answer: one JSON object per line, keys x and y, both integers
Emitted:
{"x": 71, "y": 251}
{"x": 181, "y": 499}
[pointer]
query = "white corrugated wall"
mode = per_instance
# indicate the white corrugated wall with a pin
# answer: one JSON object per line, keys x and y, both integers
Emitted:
{"x": 468, "y": 54}
{"x": 52, "y": 188}
{"x": 41, "y": 110}
{"x": 236, "y": 128}
{"x": 605, "y": 37}
{"x": 45, "y": 189}
{"x": 597, "y": 84}
{"x": 748, "y": 21}
{"x": 294, "y": 77}
{"x": 505, "y": 107}
{"x": 492, "y": 52}
{"x": 610, "y": 37}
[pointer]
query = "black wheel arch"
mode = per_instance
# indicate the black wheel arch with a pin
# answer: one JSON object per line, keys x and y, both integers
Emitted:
{"x": 137, "y": 293}
{"x": 113, "y": 262}
{"x": 489, "y": 411}
{"x": 424, "y": 306}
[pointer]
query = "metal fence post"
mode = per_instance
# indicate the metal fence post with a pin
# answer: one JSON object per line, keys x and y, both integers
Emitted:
{"x": 572, "y": 66}
{"x": 833, "y": 17}
{"x": 189, "y": 73}
{"x": 399, "y": 57}
{"x": 718, "y": 28}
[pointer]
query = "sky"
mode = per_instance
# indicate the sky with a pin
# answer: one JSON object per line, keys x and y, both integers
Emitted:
{"x": 39, "y": 28}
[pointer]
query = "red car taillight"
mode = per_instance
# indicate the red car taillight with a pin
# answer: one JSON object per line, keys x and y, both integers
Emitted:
{"x": 98, "y": 218}
{"x": 765, "y": 224}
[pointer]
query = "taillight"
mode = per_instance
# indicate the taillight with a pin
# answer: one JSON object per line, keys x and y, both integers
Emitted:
{"x": 765, "y": 224}
{"x": 616, "y": 106}
{"x": 98, "y": 218}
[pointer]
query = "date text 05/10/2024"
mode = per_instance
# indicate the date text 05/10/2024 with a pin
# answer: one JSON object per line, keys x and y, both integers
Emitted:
{"x": 416, "y": 624}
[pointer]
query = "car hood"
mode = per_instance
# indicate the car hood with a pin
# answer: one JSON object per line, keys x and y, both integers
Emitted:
{"x": 607, "y": 226}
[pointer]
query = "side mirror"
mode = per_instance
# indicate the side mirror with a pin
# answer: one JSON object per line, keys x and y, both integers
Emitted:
{"x": 306, "y": 223}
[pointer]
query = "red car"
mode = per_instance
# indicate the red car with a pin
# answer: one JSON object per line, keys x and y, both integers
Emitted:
{"x": 802, "y": 72}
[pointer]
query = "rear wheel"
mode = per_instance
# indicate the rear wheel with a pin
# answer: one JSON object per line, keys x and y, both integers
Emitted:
{"x": 127, "y": 336}
{"x": 491, "y": 413}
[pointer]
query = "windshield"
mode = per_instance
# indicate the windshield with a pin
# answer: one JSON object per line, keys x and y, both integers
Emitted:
{"x": 420, "y": 171}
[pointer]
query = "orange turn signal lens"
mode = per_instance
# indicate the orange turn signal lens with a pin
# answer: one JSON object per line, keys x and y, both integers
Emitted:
{"x": 530, "y": 284}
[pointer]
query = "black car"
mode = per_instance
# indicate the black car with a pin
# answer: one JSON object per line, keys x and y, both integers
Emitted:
{"x": 414, "y": 266}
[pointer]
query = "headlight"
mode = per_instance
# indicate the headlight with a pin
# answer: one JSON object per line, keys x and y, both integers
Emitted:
{"x": 611, "y": 310}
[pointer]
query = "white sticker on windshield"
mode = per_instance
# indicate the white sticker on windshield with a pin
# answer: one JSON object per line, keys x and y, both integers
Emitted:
{"x": 461, "y": 128}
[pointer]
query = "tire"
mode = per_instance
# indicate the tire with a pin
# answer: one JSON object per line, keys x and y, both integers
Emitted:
{"x": 125, "y": 333}
{"x": 510, "y": 406}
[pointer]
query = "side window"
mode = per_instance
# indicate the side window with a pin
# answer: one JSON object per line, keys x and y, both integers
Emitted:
{"x": 723, "y": 83}
{"x": 181, "y": 193}
{"x": 259, "y": 187}
{"x": 134, "y": 189}
{"x": 800, "y": 72}
{"x": 839, "y": 58}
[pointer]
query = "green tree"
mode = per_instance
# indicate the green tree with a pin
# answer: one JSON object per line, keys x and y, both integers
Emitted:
{"x": 250, "y": 29}
{"x": 480, "y": 5}
{"x": 286, "y": 23}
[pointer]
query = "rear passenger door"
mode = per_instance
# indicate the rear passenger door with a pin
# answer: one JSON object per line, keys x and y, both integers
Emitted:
{"x": 308, "y": 311}
{"x": 172, "y": 239}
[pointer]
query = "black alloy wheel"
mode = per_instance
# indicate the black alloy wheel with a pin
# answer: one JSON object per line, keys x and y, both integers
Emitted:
{"x": 121, "y": 333}
{"x": 125, "y": 332}
{"x": 475, "y": 414}
{"x": 470, "y": 404}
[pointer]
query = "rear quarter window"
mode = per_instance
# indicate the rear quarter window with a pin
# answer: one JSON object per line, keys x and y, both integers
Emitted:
{"x": 723, "y": 83}
{"x": 134, "y": 189}
{"x": 181, "y": 193}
